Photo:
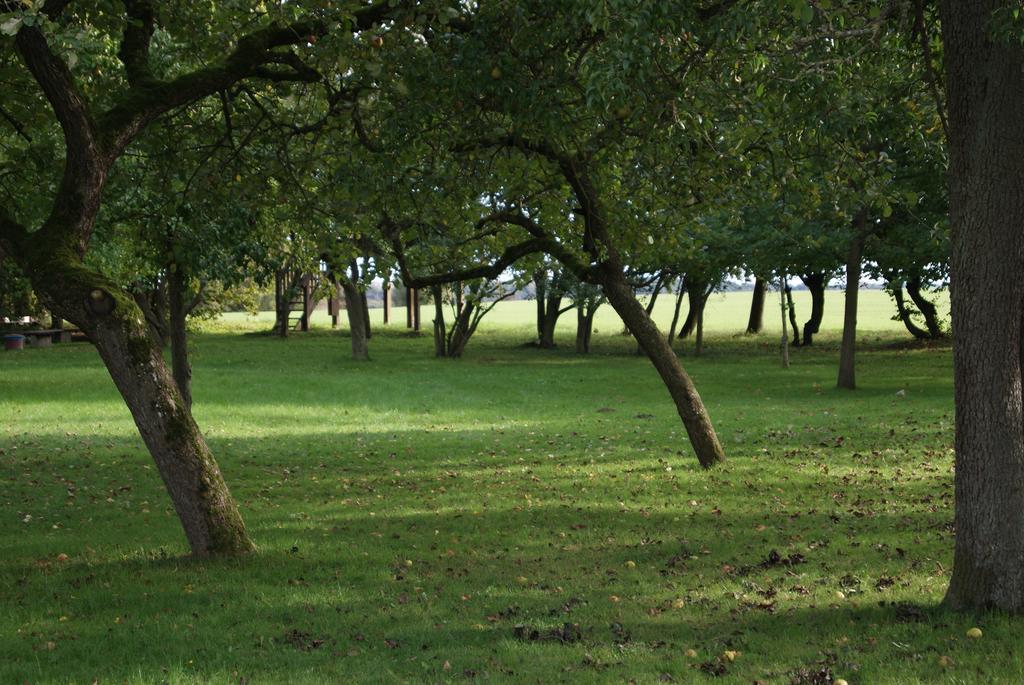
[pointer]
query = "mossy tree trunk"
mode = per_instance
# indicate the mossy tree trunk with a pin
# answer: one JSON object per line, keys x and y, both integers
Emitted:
{"x": 52, "y": 256}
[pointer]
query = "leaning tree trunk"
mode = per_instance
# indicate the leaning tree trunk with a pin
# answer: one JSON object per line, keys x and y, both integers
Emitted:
{"x": 680, "y": 291}
{"x": 688, "y": 402}
{"x": 356, "y": 319}
{"x": 815, "y": 283}
{"x": 698, "y": 345}
{"x": 115, "y": 324}
{"x": 896, "y": 287}
{"x": 847, "y": 364}
{"x": 462, "y": 330}
{"x": 927, "y": 308}
{"x": 755, "y": 323}
{"x": 791, "y": 308}
{"x": 180, "y": 366}
{"x": 986, "y": 143}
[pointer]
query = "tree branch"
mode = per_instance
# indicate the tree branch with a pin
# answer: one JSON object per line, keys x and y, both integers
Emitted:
{"x": 138, "y": 31}
{"x": 510, "y": 256}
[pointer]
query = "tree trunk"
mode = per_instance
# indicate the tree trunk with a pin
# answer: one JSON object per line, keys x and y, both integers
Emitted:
{"x": 927, "y": 308}
{"x": 115, "y": 324}
{"x": 680, "y": 291}
{"x": 755, "y": 323}
{"x": 364, "y": 306}
{"x": 540, "y": 281}
{"x": 440, "y": 329}
{"x": 552, "y": 310}
{"x": 688, "y": 402}
{"x": 152, "y": 302}
{"x": 986, "y": 144}
{"x": 356, "y": 318}
{"x": 462, "y": 330}
{"x": 792, "y": 316}
{"x": 182, "y": 370}
{"x": 696, "y": 293}
{"x": 896, "y": 288}
{"x": 815, "y": 283}
{"x": 784, "y": 343}
{"x": 416, "y": 310}
{"x": 847, "y": 365}
{"x": 698, "y": 346}
{"x": 584, "y": 327}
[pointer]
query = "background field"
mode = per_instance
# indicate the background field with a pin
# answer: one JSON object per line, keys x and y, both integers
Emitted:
{"x": 725, "y": 313}
{"x": 519, "y": 516}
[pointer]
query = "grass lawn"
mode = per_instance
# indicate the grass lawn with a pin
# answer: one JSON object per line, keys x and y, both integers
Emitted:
{"x": 517, "y": 516}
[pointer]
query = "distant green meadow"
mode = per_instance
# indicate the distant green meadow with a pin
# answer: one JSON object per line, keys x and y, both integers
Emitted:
{"x": 516, "y": 516}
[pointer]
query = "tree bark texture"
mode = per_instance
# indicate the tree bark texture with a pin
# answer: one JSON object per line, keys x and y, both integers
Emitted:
{"x": 986, "y": 101}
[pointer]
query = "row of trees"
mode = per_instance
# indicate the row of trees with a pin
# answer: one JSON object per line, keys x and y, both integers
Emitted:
{"x": 595, "y": 147}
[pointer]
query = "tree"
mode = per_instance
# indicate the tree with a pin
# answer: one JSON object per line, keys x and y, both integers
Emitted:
{"x": 984, "y": 61}
{"x": 99, "y": 118}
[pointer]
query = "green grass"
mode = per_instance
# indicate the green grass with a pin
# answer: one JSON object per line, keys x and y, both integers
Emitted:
{"x": 410, "y": 512}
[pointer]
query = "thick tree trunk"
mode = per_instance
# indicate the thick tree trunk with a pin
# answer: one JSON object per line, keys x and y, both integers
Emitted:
{"x": 688, "y": 402}
{"x": 755, "y": 323}
{"x": 791, "y": 308}
{"x": 177, "y": 287}
{"x": 552, "y": 311}
{"x": 847, "y": 364}
{"x": 896, "y": 288}
{"x": 356, "y": 318}
{"x": 927, "y": 308}
{"x": 987, "y": 246}
{"x": 815, "y": 283}
{"x": 115, "y": 324}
